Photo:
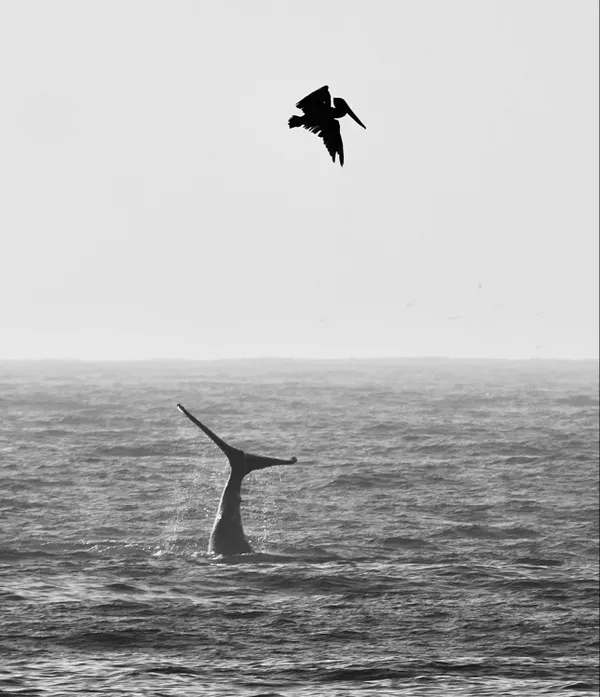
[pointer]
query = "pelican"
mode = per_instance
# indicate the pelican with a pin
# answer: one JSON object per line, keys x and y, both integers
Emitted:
{"x": 321, "y": 118}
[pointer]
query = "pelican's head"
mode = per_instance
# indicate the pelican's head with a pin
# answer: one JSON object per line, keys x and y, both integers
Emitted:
{"x": 341, "y": 106}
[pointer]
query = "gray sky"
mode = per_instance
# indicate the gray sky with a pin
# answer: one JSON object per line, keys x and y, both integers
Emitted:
{"x": 154, "y": 202}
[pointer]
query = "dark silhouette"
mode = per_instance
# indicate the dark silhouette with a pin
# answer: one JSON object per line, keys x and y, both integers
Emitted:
{"x": 322, "y": 118}
{"x": 227, "y": 536}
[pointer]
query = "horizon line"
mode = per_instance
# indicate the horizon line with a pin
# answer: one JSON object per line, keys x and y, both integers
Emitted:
{"x": 291, "y": 359}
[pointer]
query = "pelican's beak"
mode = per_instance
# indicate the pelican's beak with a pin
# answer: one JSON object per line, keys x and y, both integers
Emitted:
{"x": 355, "y": 117}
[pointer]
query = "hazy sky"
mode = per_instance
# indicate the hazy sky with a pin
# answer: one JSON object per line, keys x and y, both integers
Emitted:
{"x": 154, "y": 203}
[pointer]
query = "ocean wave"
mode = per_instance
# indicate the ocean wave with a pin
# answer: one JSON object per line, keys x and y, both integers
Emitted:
{"x": 167, "y": 670}
{"x": 537, "y": 561}
{"x": 522, "y": 459}
{"x": 572, "y": 585}
{"x": 124, "y": 588}
{"x": 488, "y": 532}
{"x": 10, "y": 597}
{"x": 358, "y": 481}
{"x": 134, "y": 451}
{"x": 399, "y": 542}
{"x": 581, "y": 686}
{"x": 581, "y": 400}
{"x": 364, "y": 674}
{"x": 10, "y": 554}
{"x": 116, "y": 639}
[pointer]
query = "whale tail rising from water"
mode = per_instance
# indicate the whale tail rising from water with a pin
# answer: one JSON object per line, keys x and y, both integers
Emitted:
{"x": 227, "y": 536}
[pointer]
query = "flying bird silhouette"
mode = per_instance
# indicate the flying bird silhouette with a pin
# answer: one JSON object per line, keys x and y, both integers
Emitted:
{"x": 322, "y": 118}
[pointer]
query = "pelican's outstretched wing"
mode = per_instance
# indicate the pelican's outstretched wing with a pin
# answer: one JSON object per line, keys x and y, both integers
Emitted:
{"x": 315, "y": 100}
{"x": 330, "y": 133}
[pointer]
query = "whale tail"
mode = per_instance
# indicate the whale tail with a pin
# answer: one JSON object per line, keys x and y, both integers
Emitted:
{"x": 225, "y": 447}
{"x": 227, "y": 536}
{"x": 260, "y": 462}
{"x": 240, "y": 461}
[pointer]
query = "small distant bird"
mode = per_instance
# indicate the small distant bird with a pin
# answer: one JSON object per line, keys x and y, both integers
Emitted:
{"x": 322, "y": 118}
{"x": 454, "y": 317}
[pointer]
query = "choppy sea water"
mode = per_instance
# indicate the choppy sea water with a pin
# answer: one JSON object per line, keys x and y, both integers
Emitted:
{"x": 439, "y": 535}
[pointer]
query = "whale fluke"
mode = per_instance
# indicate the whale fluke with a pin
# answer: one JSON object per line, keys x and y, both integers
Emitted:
{"x": 227, "y": 536}
{"x": 225, "y": 447}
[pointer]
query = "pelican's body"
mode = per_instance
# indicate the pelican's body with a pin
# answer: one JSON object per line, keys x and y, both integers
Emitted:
{"x": 322, "y": 118}
{"x": 227, "y": 536}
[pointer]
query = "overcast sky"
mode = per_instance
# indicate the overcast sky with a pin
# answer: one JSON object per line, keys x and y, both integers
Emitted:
{"x": 154, "y": 203}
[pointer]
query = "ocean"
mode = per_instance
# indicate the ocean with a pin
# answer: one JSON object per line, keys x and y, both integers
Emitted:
{"x": 438, "y": 535}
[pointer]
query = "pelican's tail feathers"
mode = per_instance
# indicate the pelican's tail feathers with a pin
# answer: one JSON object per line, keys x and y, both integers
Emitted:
{"x": 295, "y": 121}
